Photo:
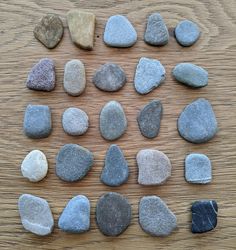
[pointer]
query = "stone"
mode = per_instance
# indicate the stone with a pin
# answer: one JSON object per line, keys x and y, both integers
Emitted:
{"x": 113, "y": 214}
{"x": 149, "y": 119}
{"x": 37, "y": 121}
{"x": 204, "y": 216}
{"x": 73, "y": 162}
{"x": 49, "y": 30}
{"x": 42, "y": 76}
{"x": 149, "y": 74}
{"x": 187, "y": 33}
{"x": 35, "y": 166}
{"x": 197, "y": 122}
{"x": 75, "y": 121}
{"x": 82, "y": 27}
{"x": 113, "y": 122}
{"x": 35, "y": 214}
{"x": 190, "y": 75}
{"x": 75, "y": 217}
{"x": 109, "y": 77}
{"x": 198, "y": 169}
{"x": 119, "y": 32}
{"x": 116, "y": 170}
{"x": 74, "y": 77}
{"x": 154, "y": 167}
{"x": 156, "y": 31}
{"x": 155, "y": 218}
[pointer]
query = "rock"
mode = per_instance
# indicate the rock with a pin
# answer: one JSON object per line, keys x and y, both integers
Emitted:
{"x": 42, "y": 76}
{"x": 204, "y": 216}
{"x": 82, "y": 27}
{"x": 36, "y": 215}
{"x": 49, "y": 30}
{"x": 113, "y": 214}
{"x": 35, "y": 166}
{"x": 187, "y": 33}
{"x": 197, "y": 168}
{"x": 109, "y": 77}
{"x": 75, "y": 217}
{"x": 74, "y": 77}
{"x": 113, "y": 123}
{"x": 190, "y": 75}
{"x": 37, "y": 121}
{"x": 156, "y": 31}
{"x": 73, "y": 162}
{"x": 155, "y": 218}
{"x": 116, "y": 170}
{"x": 149, "y": 119}
{"x": 154, "y": 167}
{"x": 119, "y": 32}
{"x": 197, "y": 122}
{"x": 149, "y": 74}
{"x": 75, "y": 121}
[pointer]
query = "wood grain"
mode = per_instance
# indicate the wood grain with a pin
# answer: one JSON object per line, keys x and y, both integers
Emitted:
{"x": 216, "y": 51}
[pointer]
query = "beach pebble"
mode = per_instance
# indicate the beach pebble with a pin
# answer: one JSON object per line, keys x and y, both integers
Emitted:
{"x": 197, "y": 122}
{"x": 74, "y": 77}
{"x": 149, "y": 119}
{"x": 73, "y": 162}
{"x": 37, "y": 121}
{"x": 49, "y": 30}
{"x": 113, "y": 123}
{"x": 187, "y": 33}
{"x": 149, "y": 74}
{"x": 116, "y": 170}
{"x": 155, "y": 218}
{"x": 154, "y": 167}
{"x": 75, "y": 217}
{"x": 36, "y": 215}
{"x": 113, "y": 214}
{"x": 35, "y": 166}
{"x": 109, "y": 77}
{"x": 42, "y": 76}
{"x": 119, "y": 32}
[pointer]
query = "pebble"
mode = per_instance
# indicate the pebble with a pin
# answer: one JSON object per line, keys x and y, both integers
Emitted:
{"x": 37, "y": 121}
{"x": 204, "y": 216}
{"x": 154, "y": 167}
{"x": 198, "y": 169}
{"x": 49, "y": 30}
{"x": 109, "y": 77}
{"x": 113, "y": 214}
{"x": 75, "y": 121}
{"x": 155, "y": 218}
{"x": 35, "y": 166}
{"x": 73, "y": 162}
{"x": 116, "y": 170}
{"x": 149, "y": 74}
{"x": 190, "y": 75}
{"x": 113, "y": 123}
{"x": 119, "y": 32}
{"x": 82, "y": 27}
{"x": 149, "y": 119}
{"x": 156, "y": 31}
{"x": 75, "y": 217}
{"x": 74, "y": 77}
{"x": 42, "y": 76}
{"x": 36, "y": 215}
{"x": 197, "y": 122}
{"x": 187, "y": 33}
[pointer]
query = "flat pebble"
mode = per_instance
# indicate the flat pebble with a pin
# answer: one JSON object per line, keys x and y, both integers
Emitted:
{"x": 36, "y": 215}
{"x": 113, "y": 214}
{"x": 73, "y": 162}
{"x": 155, "y": 218}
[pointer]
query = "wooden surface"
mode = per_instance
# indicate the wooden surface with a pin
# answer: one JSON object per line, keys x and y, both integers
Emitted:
{"x": 216, "y": 51}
